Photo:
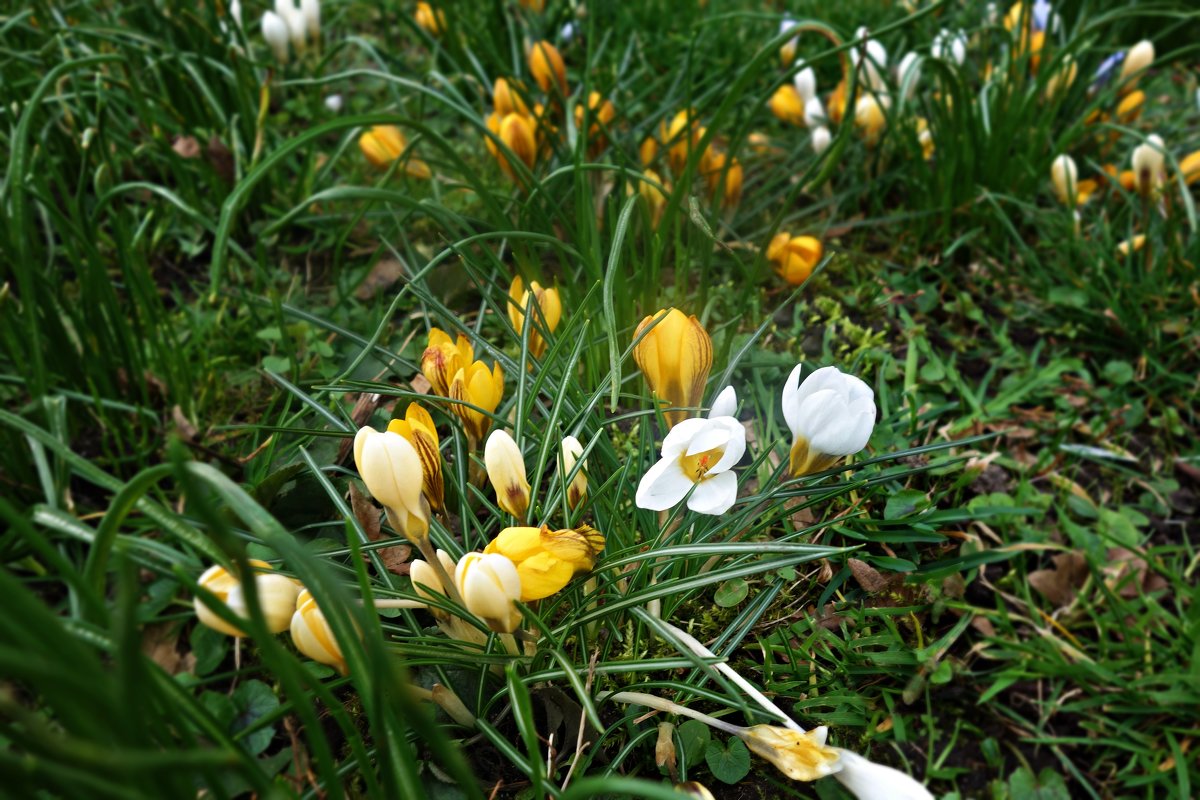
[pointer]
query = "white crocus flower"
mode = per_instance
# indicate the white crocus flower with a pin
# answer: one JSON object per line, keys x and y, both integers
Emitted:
{"x": 1148, "y": 164}
{"x": 831, "y": 415}
{"x": 806, "y": 83}
{"x": 275, "y": 32}
{"x": 311, "y": 11}
{"x": 296, "y": 24}
{"x": 951, "y": 46}
{"x": 875, "y": 59}
{"x": 697, "y": 457}
{"x": 867, "y": 780}
{"x": 725, "y": 404}
{"x": 814, "y": 113}
{"x": 909, "y": 65}
{"x": 821, "y": 139}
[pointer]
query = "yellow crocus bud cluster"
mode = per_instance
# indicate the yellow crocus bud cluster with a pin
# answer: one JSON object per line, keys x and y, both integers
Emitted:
{"x": 285, "y": 605}
{"x": 429, "y": 19}
{"x": 452, "y": 371}
{"x": 384, "y": 145}
{"x": 537, "y": 306}
{"x": 794, "y": 257}
{"x": 681, "y": 136}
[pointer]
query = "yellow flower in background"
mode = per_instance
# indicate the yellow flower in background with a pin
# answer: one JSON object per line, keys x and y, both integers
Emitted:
{"x": 1131, "y": 245}
{"x": 925, "y": 138}
{"x": 506, "y": 99}
{"x": 1189, "y": 167}
{"x": 418, "y": 428}
{"x": 649, "y": 189}
{"x": 836, "y": 107}
{"x": 384, "y": 144}
{"x": 648, "y": 151}
{"x": 547, "y": 67}
{"x": 489, "y": 583}
{"x": 312, "y": 635}
{"x": 428, "y": 20}
{"x": 675, "y": 355}
{"x": 601, "y": 112}
{"x": 518, "y": 133}
{"x": 1130, "y": 107}
{"x": 443, "y": 358}
{"x": 681, "y": 136}
{"x": 276, "y": 597}
{"x": 536, "y": 6}
{"x": 714, "y": 169}
{"x": 787, "y": 105}
{"x": 506, "y": 471}
{"x": 802, "y": 756}
{"x": 546, "y": 560}
{"x": 479, "y": 386}
{"x": 549, "y": 304}
{"x": 870, "y": 119}
{"x": 795, "y": 257}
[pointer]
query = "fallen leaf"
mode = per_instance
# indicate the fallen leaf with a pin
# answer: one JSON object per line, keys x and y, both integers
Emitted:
{"x": 395, "y": 559}
{"x": 221, "y": 159}
{"x": 186, "y": 147}
{"x": 869, "y": 578}
{"x": 1130, "y": 575}
{"x": 160, "y": 643}
{"x": 383, "y": 274}
{"x": 183, "y": 426}
{"x": 1061, "y": 583}
{"x": 420, "y": 384}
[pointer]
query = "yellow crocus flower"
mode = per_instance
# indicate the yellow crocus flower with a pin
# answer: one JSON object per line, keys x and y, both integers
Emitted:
{"x": 418, "y": 428}
{"x": 547, "y": 560}
{"x": 681, "y": 136}
{"x": 602, "y": 113}
{"x": 655, "y": 199}
{"x": 802, "y": 756}
{"x": 870, "y": 119}
{"x": 1189, "y": 167}
{"x": 714, "y": 168}
{"x": 481, "y": 387}
{"x": 1130, "y": 107}
{"x": 787, "y": 105}
{"x": 427, "y": 19}
{"x": 312, "y": 635}
{"x": 547, "y": 67}
{"x": 506, "y": 99}
{"x": 794, "y": 257}
{"x": 675, "y": 355}
{"x": 518, "y": 133}
{"x": 384, "y": 144}
{"x": 443, "y": 358}
{"x": 548, "y": 302}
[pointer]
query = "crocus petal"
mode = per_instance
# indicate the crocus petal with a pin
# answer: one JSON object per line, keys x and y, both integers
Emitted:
{"x": 714, "y": 434}
{"x": 735, "y": 447}
{"x": 725, "y": 405}
{"x": 663, "y": 485}
{"x": 679, "y": 439}
{"x": 715, "y": 494}
{"x": 867, "y": 780}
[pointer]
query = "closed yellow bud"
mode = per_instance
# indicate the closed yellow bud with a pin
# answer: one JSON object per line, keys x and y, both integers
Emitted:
{"x": 925, "y": 138}
{"x": 787, "y": 105}
{"x": 276, "y": 598}
{"x": 536, "y": 6}
{"x": 506, "y": 470}
{"x": 1062, "y": 78}
{"x": 418, "y": 428}
{"x": 870, "y": 119}
{"x": 714, "y": 170}
{"x": 478, "y": 386}
{"x": 549, "y": 305}
{"x": 1189, "y": 167}
{"x": 1130, "y": 107}
{"x": 794, "y": 257}
{"x": 836, "y": 107}
{"x": 427, "y": 19}
{"x": 517, "y": 133}
{"x": 648, "y": 151}
{"x": 546, "y": 560}
{"x": 649, "y": 189}
{"x": 681, "y": 137}
{"x": 506, "y": 99}
{"x": 547, "y": 67}
{"x": 572, "y": 451}
{"x": 384, "y": 144}
{"x": 675, "y": 355}
{"x": 601, "y": 112}
{"x": 392, "y": 470}
{"x": 312, "y": 635}
{"x": 1133, "y": 245}
{"x": 488, "y": 584}
{"x": 443, "y": 358}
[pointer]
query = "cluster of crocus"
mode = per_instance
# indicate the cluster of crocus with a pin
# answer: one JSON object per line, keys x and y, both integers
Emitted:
{"x": 536, "y": 306}
{"x": 794, "y": 257}
{"x": 384, "y": 145}
{"x": 679, "y": 138}
{"x": 285, "y": 605}
{"x": 831, "y": 415}
{"x": 452, "y": 371}
{"x": 429, "y": 19}
{"x": 287, "y": 24}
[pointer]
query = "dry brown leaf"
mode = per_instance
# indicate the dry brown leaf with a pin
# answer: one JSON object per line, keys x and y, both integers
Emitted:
{"x": 364, "y": 407}
{"x": 1130, "y": 575}
{"x": 983, "y": 625}
{"x": 186, "y": 147}
{"x": 869, "y": 578}
{"x": 385, "y": 272}
{"x": 160, "y": 643}
{"x": 1061, "y": 583}
{"x": 395, "y": 559}
{"x": 420, "y": 384}
{"x": 221, "y": 159}
{"x": 183, "y": 426}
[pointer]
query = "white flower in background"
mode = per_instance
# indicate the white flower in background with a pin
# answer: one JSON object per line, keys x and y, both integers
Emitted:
{"x": 831, "y": 415}
{"x": 951, "y": 46}
{"x": 725, "y": 404}
{"x": 275, "y": 32}
{"x": 567, "y": 33}
{"x": 572, "y": 451}
{"x": 311, "y": 11}
{"x": 806, "y": 83}
{"x": 875, "y": 60}
{"x": 276, "y": 597}
{"x": 814, "y": 113}
{"x": 821, "y": 139}
{"x": 1148, "y": 164}
{"x": 909, "y": 65}
{"x": 788, "y": 51}
{"x": 697, "y": 456}
{"x": 333, "y": 102}
{"x": 235, "y": 12}
{"x": 297, "y": 25}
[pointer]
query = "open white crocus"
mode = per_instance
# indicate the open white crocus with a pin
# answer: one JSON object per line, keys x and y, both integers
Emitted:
{"x": 697, "y": 456}
{"x": 799, "y": 754}
{"x": 831, "y": 415}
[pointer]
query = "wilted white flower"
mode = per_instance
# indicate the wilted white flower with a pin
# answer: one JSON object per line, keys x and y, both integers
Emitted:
{"x": 831, "y": 415}
{"x": 697, "y": 456}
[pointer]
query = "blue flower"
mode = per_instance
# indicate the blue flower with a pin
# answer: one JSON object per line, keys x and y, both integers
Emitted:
{"x": 1108, "y": 67}
{"x": 1041, "y": 14}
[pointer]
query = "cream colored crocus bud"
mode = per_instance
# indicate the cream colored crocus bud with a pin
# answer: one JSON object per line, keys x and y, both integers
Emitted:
{"x": 310, "y": 10}
{"x": 276, "y": 597}
{"x": 695, "y": 789}
{"x": 426, "y": 580}
{"x": 489, "y": 585}
{"x": 391, "y": 469}
{"x": 805, "y": 82}
{"x": 821, "y": 139}
{"x": 1148, "y": 165}
{"x": 1064, "y": 176}
{"x": 275, "y": 33}
{"x": 506, "y": 471}
{"x": 870, "y": 119}
{"x": 1137, "y": 60}
{"x": 1062, "y": 78}
{"x": 312, "y": 635}
{"x": 296, "y": 24}
{"x": 572, "y": 451}
{"x": 814, "y": 113}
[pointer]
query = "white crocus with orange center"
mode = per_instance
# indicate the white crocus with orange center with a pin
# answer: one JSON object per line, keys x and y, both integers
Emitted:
{"x": 831, "y": 415}
{"x": 697, "y": 457}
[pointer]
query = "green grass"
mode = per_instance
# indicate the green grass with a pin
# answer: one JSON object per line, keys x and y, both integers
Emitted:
{"x": 190, "y": 314}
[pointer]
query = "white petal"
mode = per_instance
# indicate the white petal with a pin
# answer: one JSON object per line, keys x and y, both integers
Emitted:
{"x": 715, "y": 434}
{"x": 676, "y": 442}
{"x": 806, "y": 83}
{"x": 867, "y": 780}
{"x": 725, "y": 405}
{"x": 735, "y": 447}
{"x": 715, "y": 494}
{"x": 791, "y": 400}
{"x": 663, "y": 486}
{"x": 814, "y": 112}
{"x": 505, "y": 572}
{"x": 833, "y": 426}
